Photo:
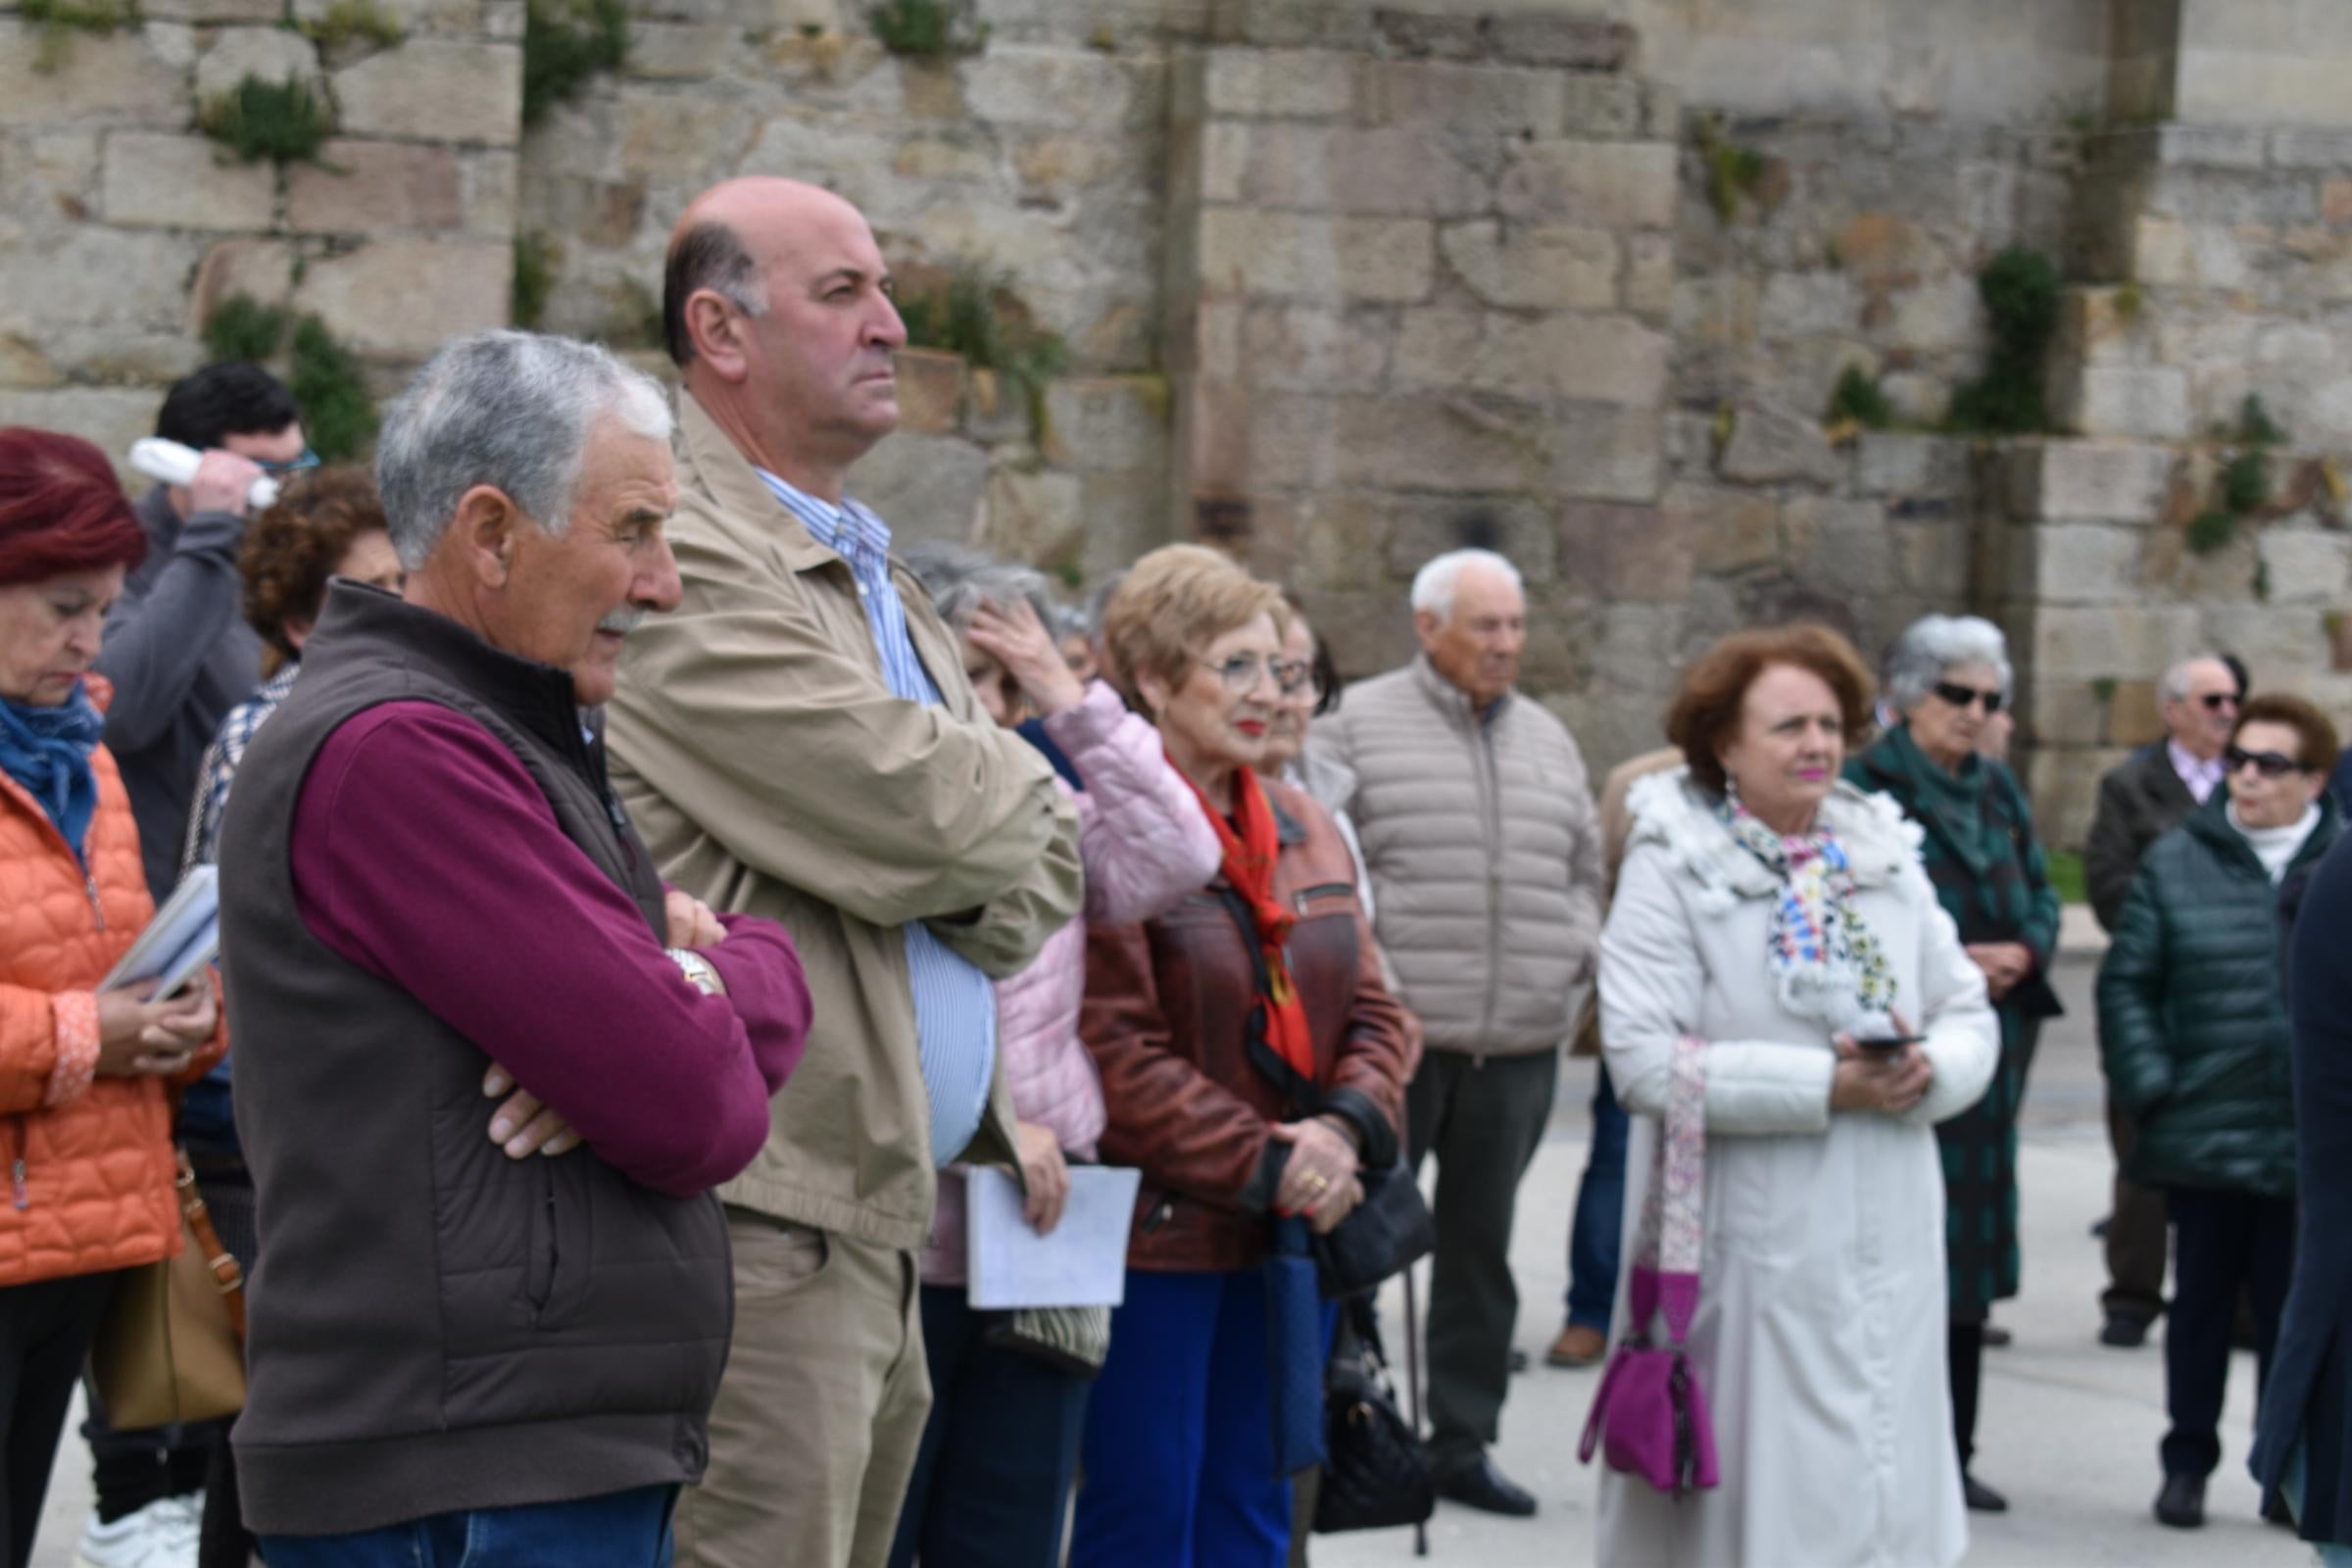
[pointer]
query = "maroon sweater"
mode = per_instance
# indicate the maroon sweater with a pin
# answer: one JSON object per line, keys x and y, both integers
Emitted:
{"x": 423, "y": 853}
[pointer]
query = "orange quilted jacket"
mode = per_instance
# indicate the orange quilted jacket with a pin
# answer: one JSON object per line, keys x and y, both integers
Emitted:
{"x": 85, "y": 1185}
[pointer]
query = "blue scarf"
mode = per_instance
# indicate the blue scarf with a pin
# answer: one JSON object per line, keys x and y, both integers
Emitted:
{"x": 47, "y": 749}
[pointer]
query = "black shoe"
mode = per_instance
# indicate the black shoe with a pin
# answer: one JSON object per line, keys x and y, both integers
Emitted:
{"x": 1981, "y": 1498}
{"x": 2125, "y": 1332}
{"x": 1997, "y": 1338}
{"x": 1483, "y": 1486}
{"x": 1518, "y": 1361}
{"x": 2181, "y": 1502}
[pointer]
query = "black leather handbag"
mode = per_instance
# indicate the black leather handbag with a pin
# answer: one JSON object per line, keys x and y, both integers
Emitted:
{"x": 1375, "y": 1473}
{"x": 1382, "y": 1236}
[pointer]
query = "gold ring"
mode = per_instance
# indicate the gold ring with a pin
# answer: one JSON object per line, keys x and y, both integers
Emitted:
{"x": 1317, "y": 1180}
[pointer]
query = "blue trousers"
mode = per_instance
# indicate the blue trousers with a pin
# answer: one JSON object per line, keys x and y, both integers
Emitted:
{"x": 999, "y": 1449}
{"x": 1180, "y": 1440}
{"x": 1598, "y": 1232}
{"x": 618, "y": 1529}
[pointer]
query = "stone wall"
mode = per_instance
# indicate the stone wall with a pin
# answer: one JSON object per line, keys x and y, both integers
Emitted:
{"x": 120, "y": 223}
{"x": 1422, "y": 299}
{"x": 1346, "y": 282}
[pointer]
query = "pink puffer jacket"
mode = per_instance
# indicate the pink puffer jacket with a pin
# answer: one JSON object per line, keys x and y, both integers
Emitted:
{"x": 1145, "y": 845}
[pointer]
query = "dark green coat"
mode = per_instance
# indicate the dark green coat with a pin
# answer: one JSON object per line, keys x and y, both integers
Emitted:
{"x": 2192, "y": 1018}
{"x": 1980, "y": 852}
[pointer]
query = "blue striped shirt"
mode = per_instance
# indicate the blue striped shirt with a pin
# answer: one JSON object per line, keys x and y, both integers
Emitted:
{"x": 954, "y": 1004}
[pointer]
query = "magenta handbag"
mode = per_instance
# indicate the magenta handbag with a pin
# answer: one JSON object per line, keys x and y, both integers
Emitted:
{"x": 1649, "y": 1414}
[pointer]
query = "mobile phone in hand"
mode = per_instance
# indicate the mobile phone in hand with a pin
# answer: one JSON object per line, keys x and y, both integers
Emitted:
{"x": 1891, "y": 1042}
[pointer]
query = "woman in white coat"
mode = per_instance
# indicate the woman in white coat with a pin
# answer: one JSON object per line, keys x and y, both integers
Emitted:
{"x": 1782, "y": 917}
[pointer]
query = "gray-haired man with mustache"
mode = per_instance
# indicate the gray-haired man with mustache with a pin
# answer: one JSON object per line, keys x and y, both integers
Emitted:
{"x": 429, "y": 894}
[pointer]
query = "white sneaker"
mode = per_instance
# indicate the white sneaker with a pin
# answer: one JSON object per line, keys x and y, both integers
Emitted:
{"x": 162, "y": 1535}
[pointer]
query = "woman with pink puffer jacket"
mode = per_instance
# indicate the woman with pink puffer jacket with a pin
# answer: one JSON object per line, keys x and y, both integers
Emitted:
{"x": 991, "y": 1480}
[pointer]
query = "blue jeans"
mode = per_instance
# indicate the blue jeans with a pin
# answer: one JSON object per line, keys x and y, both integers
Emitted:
{"x": 999, "y": 1449}
{"x": 1598, "y": 1232}
{"x": 618, "y": 1529}
{"x": 1179, "y": 1443}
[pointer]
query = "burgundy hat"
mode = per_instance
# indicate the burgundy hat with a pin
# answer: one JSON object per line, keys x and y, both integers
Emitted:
{"x": 61, "y": 509}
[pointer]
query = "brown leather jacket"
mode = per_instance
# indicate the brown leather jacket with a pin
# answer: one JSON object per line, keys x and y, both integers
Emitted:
{"x": 1167, "y": 1019}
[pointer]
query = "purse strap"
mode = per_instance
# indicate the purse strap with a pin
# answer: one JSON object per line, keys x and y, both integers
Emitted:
{"x": 228, "y": 1277}
{"x": 1667, "y": 1246}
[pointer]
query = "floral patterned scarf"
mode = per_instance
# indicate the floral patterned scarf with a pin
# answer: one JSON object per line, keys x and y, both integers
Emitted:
{"x": 1824, "y": 959}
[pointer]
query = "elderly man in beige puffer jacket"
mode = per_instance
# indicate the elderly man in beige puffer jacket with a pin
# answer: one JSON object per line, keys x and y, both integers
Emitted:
{"x": 1479, "y": 830}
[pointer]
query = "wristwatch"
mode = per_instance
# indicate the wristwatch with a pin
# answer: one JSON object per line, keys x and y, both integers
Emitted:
{"x": 698, "y": 970}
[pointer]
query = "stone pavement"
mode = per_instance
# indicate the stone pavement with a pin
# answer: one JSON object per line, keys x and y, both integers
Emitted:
{"x": 2068, "y": 1429}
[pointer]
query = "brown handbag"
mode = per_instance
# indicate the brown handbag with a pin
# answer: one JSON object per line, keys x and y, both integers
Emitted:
{"x": 171, "y": 1345}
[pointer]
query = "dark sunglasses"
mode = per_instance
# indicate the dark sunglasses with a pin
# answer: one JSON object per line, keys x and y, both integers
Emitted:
{"x": 1962, "y": 696}
{"x": 2213, "y": 700}
{"x": 308, "y": 459}
{"x": 2270, "y": 765}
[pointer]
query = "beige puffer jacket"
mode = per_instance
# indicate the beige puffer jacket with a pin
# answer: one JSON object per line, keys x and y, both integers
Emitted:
{"x": 1484, "y": 855}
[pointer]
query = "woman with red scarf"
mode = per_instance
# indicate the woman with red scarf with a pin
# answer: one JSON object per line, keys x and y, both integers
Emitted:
{"x": 1252, "y": 1066}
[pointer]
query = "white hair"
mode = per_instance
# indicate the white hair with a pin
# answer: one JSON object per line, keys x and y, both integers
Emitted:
{"x": 514, "y": 411}
{"x": 1935, "y": 644}
{"x": 2174, "y": 688}
{"x": 1433, "y": 585}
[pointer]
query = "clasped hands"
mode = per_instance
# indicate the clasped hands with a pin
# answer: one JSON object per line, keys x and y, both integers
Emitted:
{"x": 525, "y": 1124}
{"x": 142, "y": 1038}
{"x": 1889, "y": 1081}
{"x": 1322, "y": 1179}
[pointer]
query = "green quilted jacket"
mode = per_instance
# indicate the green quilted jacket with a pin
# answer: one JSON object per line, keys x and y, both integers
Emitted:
{"x": 2193, "y": 1012}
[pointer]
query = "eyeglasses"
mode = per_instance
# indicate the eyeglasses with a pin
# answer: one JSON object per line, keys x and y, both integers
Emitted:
{"x": 2270, "y": 765}
{"x": 1239, "y": 674}
{"x": 308, "y": 459}
{"x": 1962, "y": 696}
{"x": 2214, "y": 702}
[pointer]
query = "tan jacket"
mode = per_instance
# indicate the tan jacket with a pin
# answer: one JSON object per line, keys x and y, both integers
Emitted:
{"x": 1485, "y": 856}
{"x": 773, "y": 772}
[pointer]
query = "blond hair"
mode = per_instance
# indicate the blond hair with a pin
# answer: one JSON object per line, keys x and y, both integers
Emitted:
{"x": 1173, "y": 603}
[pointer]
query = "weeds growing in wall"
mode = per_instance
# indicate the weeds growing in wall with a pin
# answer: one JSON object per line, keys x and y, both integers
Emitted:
{"x": 975, "y": 314}
{"x": 2243, "y": 488}
{"x": 565, "y": 42}
{"x": 349, "y": 22}
{"x": 338, "y": 414}
{"x": 535, "y": 259}
{"x": 242, "y": 327}
{"x": 286, "y": 120}
{"x": 60, "y": 20}
{"x": 1857, "y": 399}
{"x": 927, "y": 29}
{"x": 1732, "y": 171}
{"x": 2020, "y": 288}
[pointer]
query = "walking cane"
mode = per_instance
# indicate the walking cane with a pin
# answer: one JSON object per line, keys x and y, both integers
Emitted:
{"x": 1412, "y": 1388}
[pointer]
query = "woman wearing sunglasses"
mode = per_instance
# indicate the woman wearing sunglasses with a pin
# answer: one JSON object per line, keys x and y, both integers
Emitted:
{"x": 1947, "y": 677}
{"x": 2193, "y": 1028}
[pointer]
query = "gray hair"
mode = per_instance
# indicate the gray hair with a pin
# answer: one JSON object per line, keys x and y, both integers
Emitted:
{"x": 1935, "y": 644}
{"x": 514, "y": 411}
{"x": 1433, "y": 585}
{"x": 960, "y": 579}
{"x": 2173, "y": 687}
{"x": 1100, "y": 600}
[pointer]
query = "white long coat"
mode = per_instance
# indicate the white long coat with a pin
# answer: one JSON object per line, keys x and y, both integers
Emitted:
{"x": 1820, "y": 1333}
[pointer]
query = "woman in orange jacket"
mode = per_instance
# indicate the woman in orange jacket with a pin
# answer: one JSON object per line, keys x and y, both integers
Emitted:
{"x": 85, "y": 1140}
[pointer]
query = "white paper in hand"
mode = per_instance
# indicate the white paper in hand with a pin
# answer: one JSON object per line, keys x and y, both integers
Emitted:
{"x": 1082, "y": 1263}
{"x": 183, "y": 937}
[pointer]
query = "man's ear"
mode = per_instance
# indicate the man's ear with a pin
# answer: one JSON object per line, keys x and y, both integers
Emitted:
{"x": 1426, "y": 626}
{"x": 716, "y": 333}
{"x": 486, "y": 529}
